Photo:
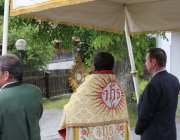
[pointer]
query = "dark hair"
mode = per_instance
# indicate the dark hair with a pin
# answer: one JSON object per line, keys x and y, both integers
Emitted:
{"x": 103, "y": 61}
{"x": 11, "y": 63}
{"x": 158, "y": 54}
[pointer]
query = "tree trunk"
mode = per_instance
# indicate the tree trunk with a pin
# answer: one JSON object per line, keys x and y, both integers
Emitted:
{"x": 122, "y": 70}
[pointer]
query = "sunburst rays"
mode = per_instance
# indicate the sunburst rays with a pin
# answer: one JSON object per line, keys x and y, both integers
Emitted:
{"x": 107, "y": 95}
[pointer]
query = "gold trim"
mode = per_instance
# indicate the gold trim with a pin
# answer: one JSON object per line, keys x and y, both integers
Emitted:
{"x": 43, "y": 6}
{"x": 76, "y": 133}
{"x": 155, "y": 31}
{"x": 63, "y": 127}
{"x": 134, "y": 73}
{"x": 127, "y": 132}
{"x": 97, "y": 123}
{"x": 72, "y": 24}
{"x": 96, "y": 27}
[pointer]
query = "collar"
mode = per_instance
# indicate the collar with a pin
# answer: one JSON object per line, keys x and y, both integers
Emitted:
{"x": 157, "y": 72}
{"x": 105, "y": 72}
{"x": 11, "y": 84}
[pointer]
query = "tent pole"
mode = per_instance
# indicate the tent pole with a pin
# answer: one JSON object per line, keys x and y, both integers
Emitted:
{"x": 133, "y": 71}
{"x": 5, "y": 27}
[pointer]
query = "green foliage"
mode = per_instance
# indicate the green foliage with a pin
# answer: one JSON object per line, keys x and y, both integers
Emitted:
{"x": 141, "y": 44}
{"x": 37, "y": 53}
{"x": 46, "y": 31}
{"x": 93, "y": 41}
{"x": 178, "y": 110}
{"x": 1, "y": 7}
{"x": 163, "y": 36}
{"x": 142, "y": 85}
{"x": 134, "y": 96}
{"x": 132, "y": 117}
{"x": 40, "y": 38}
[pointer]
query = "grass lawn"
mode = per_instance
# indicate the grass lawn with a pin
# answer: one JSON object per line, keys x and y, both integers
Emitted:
{"x": 55, "y": 104}
{"x": 132, "y": 117}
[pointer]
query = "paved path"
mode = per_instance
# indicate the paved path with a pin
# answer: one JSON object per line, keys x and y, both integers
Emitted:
{"x": 50, "y": 121}
{"x": 49, "y": 124}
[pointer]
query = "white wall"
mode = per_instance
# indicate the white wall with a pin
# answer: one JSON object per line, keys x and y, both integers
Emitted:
{"x": 172, "y": 48}
{"x": 166, "y": 46}
{"x": 175, "y": 54}
{"x": 60, "y": 65}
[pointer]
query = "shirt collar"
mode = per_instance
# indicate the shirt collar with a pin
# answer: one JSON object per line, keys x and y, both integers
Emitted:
{"x": 11, "y": 84}
{"x": 157, "y": 72}
{"x": 105, "y": 72}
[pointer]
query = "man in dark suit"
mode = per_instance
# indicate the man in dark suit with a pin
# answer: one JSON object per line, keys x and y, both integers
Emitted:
{"x": 158, "y": 102}
{"x": 20, "y": 103}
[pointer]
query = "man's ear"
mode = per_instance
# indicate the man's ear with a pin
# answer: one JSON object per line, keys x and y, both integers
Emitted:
{"x": 6, "y": 75}
{"x": 93, "y": 67}
{"x": 154, "y": 61}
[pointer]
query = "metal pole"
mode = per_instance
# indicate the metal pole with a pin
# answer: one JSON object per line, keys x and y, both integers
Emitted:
{"x": 21, "y": 56}
{"x": 133, "y": 71}
{"x": 5, "y": 27}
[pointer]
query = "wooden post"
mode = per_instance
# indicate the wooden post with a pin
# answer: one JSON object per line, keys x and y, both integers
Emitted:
{"x": 47, "y": 83}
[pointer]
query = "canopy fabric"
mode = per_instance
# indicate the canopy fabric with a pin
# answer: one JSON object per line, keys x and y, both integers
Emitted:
{"x": 143, "y": 16}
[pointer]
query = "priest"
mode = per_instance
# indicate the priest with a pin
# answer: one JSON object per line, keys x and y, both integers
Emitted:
{"x": 97, "y": 109}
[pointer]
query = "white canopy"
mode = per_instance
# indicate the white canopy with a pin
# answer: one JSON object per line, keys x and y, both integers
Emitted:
{"x": 143, "y": 16}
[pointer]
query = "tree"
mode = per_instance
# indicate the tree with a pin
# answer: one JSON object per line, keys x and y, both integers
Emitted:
{"x": 37, "y": 54}
{"x": 94, "y": 40}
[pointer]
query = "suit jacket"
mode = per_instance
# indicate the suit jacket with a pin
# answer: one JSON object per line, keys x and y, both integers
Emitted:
{"x": 20, "y": 111}
{"x": 157, "y": 108}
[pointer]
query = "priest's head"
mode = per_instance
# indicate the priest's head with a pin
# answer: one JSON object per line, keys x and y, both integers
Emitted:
{"x": 102, "y": 61}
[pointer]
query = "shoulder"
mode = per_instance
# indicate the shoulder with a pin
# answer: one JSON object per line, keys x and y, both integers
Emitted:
{"x": 2, "y": 95}
{"x": 163, "y": 79}
{"x": 93, "y": 80}
{"x": 164, "y": 75}
{"x": 101, "y": 78}
{"x": 30, "y": 86}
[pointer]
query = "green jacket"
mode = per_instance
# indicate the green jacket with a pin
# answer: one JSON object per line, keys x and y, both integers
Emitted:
{"x": 20, "y": 112}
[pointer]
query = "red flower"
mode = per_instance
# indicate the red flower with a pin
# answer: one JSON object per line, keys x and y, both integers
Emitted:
{"x": 74, "y": 89}
{"x": 83, "y": 132}
{"x": 122, "y": 127}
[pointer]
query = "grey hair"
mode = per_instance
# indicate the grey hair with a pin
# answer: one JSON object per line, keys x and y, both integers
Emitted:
{"x": 12, "y": 64}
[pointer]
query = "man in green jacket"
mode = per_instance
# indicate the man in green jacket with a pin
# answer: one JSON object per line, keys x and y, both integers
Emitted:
{"x": 20, "y": 104}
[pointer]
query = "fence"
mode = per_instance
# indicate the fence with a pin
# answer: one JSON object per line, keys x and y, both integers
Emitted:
{"x": 52, "y": 82}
